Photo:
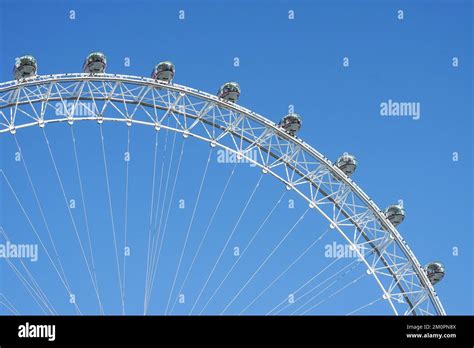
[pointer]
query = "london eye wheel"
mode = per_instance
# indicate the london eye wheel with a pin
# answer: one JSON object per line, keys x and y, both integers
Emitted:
{"x": 36, "y": 111}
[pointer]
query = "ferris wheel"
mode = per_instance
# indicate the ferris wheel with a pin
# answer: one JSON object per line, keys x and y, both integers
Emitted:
{"x": 159, "y": 104}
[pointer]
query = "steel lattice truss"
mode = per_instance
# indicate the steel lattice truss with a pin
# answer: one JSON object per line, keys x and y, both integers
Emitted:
{"x": 138, "y": 100}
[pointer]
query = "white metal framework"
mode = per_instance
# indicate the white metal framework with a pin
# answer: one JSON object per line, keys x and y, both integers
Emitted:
{"x": 139, "y": 100}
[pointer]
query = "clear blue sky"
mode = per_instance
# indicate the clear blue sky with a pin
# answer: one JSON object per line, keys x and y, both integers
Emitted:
{"x": 282, "y": 62}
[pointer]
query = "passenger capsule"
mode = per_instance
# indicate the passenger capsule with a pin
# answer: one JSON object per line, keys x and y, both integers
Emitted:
{"x": 24, "y": 67}
{"x": 435, "y": 272}
{"x": 291, "y": 123}
{"x": 163, "y": 71}
{"x": 95, "y": 63}
{"x": 347, "y": 163}
{"x": 395, "y": 214}
{"x": 229, "y": 91}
